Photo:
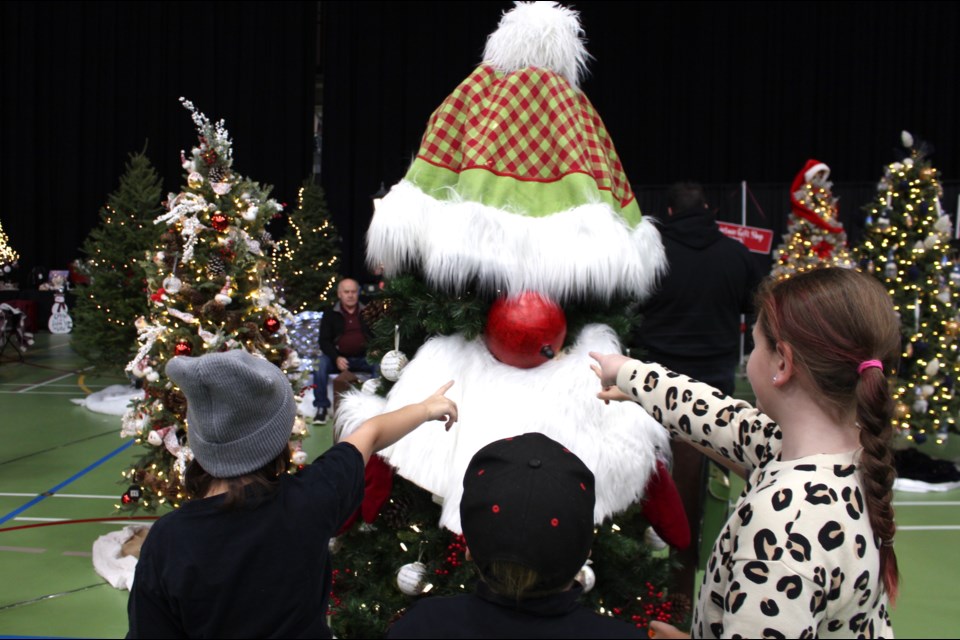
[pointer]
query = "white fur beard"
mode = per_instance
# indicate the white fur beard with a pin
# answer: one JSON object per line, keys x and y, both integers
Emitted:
{"x": 619, "y": 442}
{"x": 584, "y": 253}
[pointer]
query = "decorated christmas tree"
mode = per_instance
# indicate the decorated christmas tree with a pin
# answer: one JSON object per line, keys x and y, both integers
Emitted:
{"x": 305, "y": 260}
{"x": 8, "y": 257}
{"x": 509, "y": 249}
{"x": 113, "y": 297}
{"x": 207, "y": 282}
{"x": 907, "y": 247}
{"x": 814, "y": 236}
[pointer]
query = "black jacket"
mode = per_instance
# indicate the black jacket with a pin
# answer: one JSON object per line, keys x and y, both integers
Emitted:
{"x": 486, "y": 615}
{"x": 331, "y": 328}
{"x": 695, "y": 313}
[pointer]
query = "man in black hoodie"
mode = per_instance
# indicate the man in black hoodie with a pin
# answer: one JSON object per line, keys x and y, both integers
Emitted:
{"x": 692, "y": 325}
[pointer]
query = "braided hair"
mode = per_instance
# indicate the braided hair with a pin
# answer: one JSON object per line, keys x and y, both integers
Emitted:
{"x": 842, "y": 328}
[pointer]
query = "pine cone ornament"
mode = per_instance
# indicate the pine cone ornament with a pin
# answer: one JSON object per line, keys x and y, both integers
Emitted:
{"x": 395, "y": 513}
{"x": 266, "y": 240}
{"x": 374, "y": 310}
{"x": 217, "y": 174}
{"x": 216, "y": 267}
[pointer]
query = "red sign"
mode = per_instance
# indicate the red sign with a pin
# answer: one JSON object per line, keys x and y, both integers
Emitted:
{"x": 756, "y": 239}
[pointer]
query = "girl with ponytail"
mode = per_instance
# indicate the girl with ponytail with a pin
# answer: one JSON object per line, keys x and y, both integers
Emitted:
{"x": 808, "y": 550}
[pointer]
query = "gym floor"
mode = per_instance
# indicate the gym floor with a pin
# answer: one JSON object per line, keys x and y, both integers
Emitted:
{"x": 60, "y": 482}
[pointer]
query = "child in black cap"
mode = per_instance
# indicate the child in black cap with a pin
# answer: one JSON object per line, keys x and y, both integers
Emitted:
{"x": 247, "y": 557}
{"x": 527, "y": 516}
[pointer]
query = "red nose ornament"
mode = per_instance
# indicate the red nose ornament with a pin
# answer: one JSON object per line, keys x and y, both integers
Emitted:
{"x": 526, "y": 330}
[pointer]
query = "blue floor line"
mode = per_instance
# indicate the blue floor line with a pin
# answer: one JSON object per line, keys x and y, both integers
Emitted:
{"x": 50, "y": 492}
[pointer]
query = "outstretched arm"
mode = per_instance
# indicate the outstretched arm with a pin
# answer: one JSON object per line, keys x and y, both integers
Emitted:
{"x": 382, "y": 431}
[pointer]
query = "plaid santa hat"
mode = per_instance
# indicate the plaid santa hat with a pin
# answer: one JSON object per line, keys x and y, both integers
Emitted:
{"x": 517, "y": 185}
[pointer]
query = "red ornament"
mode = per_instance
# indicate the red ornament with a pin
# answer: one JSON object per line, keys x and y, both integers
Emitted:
{"x": 525, "y": 331}
{"x": 209, "y": 156}
{"x": 823, "y": 249}
{"x": 219, "y": 221}
{"x": 183, "y": 348}
{"x": 272, "y": 325}
{"x": 126, "y": 499}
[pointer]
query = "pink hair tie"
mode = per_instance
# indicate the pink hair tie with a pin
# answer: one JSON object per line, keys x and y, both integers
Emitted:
{"x": 868, "y": 364}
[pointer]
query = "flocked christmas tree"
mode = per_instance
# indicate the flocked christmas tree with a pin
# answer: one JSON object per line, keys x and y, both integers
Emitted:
{"x": 306, "y": 259}
{"x": 510, "y": 249}
{"x": 907, "y": 247}
{"x": 8, "y": 257}
{"x": 814, "y": 236}
{"x": 207, "y": 285}
{"x": 114, "y": 296}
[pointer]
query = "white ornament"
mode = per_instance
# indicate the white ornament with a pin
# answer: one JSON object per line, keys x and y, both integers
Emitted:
{"x": 221, "y": 188}
{"x": 933, "y": 368}
{"x": 60, "y": 321}
{"x": 908, "y": 162}
{"x": 410, "y": 578}
{"x": 334, "y": 545}
{"x": 299, "y": 457}
{"x": 172, "y": 284}
{"x": 944, "y": 296}
{"x": 223, "y": 299}
{"x": 943, "y": 224}
{"x": 155, "y": 438}
{"x": 906, "y": 139}
{"x": 250, "y": 214}
{"x": 586, "y": 577}
{"x": 153, "y": 376}
{"x": 370, "y": 386}
{"x": 930, "y": 241}
{"x": 920, "y": 406}
{"x": 926, "y": 390}
{"x": 393, "y": 362}
{"x": 653, "y": 539}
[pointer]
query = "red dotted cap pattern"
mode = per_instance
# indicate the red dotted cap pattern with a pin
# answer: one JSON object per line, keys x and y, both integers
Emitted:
{"x": 530, "y": 501}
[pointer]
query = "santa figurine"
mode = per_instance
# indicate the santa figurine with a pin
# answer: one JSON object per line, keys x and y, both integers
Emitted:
{"x": 517, "y": 197}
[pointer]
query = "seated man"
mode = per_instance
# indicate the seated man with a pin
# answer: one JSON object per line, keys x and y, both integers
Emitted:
{"x": 527, "y": 517}
{"x": 343, "y": 343}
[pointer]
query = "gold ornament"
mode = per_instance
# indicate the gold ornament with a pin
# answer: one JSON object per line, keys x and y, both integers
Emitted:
{"x": 195, "y": 180}
{"x": 951, "y": 327}
{"x": 901, "y": 410}
{"x": 927, "y": 173}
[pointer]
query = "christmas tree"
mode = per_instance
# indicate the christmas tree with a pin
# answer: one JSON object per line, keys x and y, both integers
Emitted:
{"x": 113, "y": 297}
{"x": 305, "y": 259}
{"x": 906, "y": 247}
{"x": 510, "y": 250}
{"x": 8, "y": 257}
{"x": 814, "y": 236}
{"x": 207, "y": 284}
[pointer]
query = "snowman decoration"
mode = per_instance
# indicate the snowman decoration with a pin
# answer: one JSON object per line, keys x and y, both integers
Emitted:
{"x": 553, "y": 224}
{"x": 60, "y": 321}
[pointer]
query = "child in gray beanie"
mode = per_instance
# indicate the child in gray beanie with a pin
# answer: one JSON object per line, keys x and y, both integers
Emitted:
{"x": 247, "y": 556}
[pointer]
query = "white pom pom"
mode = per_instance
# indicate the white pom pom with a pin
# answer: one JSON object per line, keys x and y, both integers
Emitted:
{"x": 223, "y": 299}
{"x": 932, "y": 368}
{"x": 155, "y": 439}
{"x": 299, "y": 457}
{"x": 410, "y": 578}
{"x": 392, "y": 364}
{"x": 906, "y": 139}
{"x": 539, "y": 34}
{"x": 153, "y": 376}
{"x": 586, "y": 577}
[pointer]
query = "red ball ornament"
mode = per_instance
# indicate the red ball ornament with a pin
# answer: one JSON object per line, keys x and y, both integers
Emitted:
{"x": 219, "y": 221}
{"x": 525, "y": 331}
{"x": 183, "y": 348}
{"x": 272, "y": 325}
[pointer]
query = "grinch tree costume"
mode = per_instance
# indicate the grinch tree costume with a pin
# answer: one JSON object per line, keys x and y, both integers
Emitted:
{"x": 517, "y": 193}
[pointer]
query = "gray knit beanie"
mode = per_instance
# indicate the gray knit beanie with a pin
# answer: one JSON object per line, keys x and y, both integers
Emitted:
{"x": 240, "y": 410}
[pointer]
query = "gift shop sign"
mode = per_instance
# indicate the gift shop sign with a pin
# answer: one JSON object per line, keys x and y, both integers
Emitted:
{"x": 756, "y": 239}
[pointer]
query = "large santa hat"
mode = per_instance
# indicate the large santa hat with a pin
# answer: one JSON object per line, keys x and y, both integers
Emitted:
{"x": 805, "y": 175}
{"x": 517, "y": 184}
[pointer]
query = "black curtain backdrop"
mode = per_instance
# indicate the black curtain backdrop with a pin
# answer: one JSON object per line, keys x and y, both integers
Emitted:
{"x": 717, "y": 92}
{"x": 85, "y": 83}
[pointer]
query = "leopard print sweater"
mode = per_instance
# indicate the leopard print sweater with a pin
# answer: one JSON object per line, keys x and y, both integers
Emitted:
{"x": 797, "y": 557}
